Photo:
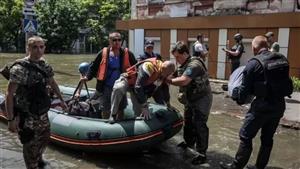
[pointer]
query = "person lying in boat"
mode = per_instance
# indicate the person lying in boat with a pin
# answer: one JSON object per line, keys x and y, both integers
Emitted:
{"x": 141, "y": 80}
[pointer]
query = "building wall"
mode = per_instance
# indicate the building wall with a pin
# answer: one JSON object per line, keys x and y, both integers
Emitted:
{"x": 168, "y": 21}
{"x": 145, "y": 9}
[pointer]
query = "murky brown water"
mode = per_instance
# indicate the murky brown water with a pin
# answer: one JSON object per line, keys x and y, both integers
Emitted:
{"x": 223, "y": 143}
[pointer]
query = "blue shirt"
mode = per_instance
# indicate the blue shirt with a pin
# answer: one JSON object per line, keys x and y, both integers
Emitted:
{"x": 113, "y": 70}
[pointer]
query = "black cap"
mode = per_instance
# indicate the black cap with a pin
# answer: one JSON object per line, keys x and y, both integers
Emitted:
{"x": 269, "y": 34}
{"x": 238, "y": 37}
{"x": 199, "y": 36}
{"x": 149, "y": 43}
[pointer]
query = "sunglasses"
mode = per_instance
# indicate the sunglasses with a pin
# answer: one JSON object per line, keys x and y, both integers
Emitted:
{"x": 114, "y": 40}
{"x": 36, "y": 47}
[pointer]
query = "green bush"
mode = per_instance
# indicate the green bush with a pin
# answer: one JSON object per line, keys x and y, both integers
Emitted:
{"x": 296, "y": 84}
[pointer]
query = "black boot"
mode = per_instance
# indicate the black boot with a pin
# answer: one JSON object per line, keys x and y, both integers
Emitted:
{"x": 263, "y": 157}
{"x": 241, "y": 158}
{"x": 228, "y": 166}
{"x": 251, "y": 167}
{"x": 42, "y": 163}
{"x": 199, "y": 159}
{"x": 182, "y": 145}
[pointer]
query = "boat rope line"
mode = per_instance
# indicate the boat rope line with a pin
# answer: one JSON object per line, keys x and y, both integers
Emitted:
{"x": 102, "y": 143}
{"x": 111, "y": 141}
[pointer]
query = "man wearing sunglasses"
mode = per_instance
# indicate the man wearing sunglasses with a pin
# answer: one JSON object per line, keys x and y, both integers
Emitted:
{"x": 109, "y": 63}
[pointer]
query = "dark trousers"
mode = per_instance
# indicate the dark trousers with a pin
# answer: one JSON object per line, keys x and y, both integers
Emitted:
{"x": 253, "y": 122}
{"x": 235, "y": 63}
{"x": 161, "y": 95}
{"x": 195, "y": 129}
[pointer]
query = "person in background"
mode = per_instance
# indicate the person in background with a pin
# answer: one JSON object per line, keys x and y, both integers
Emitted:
{"x": 107, "y": 67}
{"x": 28, "y": 101}
{"x": 236, "y": 52}
{"x": 195, "y": 93}
{"x": 148, "y": 53}
{"x": 273, "y": 46}
{"x": 199, "y": 49}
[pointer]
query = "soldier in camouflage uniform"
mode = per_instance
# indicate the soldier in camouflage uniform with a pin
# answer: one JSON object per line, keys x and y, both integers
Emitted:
{"x": 195, "y": 94}
{"x": 27, "y": 102}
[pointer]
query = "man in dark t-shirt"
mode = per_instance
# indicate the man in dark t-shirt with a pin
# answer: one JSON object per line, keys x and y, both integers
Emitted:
{"x": 235, "y": 53}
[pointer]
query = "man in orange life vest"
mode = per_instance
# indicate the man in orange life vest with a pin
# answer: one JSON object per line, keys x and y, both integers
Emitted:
{"x": 141, "y": 80}
{"x": 108, "y": 65}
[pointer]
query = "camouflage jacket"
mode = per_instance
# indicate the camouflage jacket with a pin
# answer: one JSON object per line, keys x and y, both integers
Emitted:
{"x": 31, "y": 95}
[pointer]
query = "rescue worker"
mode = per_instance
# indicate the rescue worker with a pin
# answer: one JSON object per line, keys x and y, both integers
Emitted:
{"x": 273, "y": 46}
{"x": 108, "y": 65}
{"x": 141, "y": 80}
{"x": 28, "y": 101}
{"x": 236, "y": 52}
{"x": 199, "y": 49}
{"x": 162, "y": 94}
{"x": 195, "y": 93}
{"x": 268, "y": 106}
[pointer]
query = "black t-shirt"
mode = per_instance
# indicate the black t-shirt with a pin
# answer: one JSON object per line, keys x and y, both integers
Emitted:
{"x": 237, "y": 47}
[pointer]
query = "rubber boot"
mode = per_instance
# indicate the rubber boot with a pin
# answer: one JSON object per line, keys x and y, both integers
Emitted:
{"x": 263, "y": 157}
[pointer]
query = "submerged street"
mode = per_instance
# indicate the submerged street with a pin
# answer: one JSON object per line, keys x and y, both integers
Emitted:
{"x": 224, "y": 122}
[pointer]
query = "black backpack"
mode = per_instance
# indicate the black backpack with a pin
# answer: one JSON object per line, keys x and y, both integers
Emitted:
{"x": 276, "y": 73}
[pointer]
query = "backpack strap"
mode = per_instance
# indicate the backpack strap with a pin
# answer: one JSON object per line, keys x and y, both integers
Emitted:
{"x": 34, "y": 67}
{"x": 201, "y": 61}
{"x": 5, "y": 71}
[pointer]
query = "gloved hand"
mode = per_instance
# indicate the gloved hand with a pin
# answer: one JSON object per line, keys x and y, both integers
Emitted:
{"x": 146, "y": 113}
{"x": 235, "y": 94}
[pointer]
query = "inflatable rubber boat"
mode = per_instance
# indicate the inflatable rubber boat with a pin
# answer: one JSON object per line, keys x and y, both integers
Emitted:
{"x": 93, "y": 134}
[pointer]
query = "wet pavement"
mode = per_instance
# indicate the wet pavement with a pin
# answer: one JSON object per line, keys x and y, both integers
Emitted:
{"x": 223, "y": 143}
{"x": 224, "y": 122}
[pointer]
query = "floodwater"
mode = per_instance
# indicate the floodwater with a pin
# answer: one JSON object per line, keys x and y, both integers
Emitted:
{"x": 224, "y": 122}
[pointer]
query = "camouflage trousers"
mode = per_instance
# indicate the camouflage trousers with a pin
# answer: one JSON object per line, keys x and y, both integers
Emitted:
{"x": 33, "y": 150}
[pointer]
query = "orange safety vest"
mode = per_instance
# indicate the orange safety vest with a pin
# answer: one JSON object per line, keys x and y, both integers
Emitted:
{"x": 101, "y": 75}
{"x": 132, "y": 72}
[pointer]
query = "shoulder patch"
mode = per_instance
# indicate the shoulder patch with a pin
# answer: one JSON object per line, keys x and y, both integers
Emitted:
{"x": 188, "y": 71}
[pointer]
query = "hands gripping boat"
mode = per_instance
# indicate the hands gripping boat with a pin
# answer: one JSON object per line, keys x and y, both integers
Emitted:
{"x": 92, "y": 134}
